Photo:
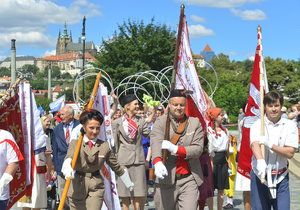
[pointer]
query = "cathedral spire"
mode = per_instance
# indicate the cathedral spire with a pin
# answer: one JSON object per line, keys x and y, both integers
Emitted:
{"x": 71, "y": 36}
{"x": 65, "y": 30}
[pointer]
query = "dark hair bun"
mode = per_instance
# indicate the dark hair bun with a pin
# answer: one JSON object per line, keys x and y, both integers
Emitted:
{"x": 91, "y": 114}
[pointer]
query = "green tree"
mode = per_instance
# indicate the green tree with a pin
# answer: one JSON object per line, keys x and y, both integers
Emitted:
{"x": 4, "y": 71}
{"x": 55, "y": 72}
{"x": 66, "y": 75}
{"x": 68, "y": 93}
{"x": 27, "y": 71}
{"x": 231, "y": 97}
{"x": 137, "y": 46}
{"x": 44, "y": 102}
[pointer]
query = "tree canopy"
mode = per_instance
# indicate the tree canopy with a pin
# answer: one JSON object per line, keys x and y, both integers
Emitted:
{"x": 137, "y": 46}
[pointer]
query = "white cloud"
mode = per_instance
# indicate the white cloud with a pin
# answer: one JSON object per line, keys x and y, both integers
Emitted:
{"x": 251, "y": 58}
{"x": 221, "y": 3}
{"x": 28, "y": 20}
{"x": 49, "y": 52}
{"x": 197, "y": 19}
{"x": 33, "y": 38}
{"x": 249, "y": 14}
{"x": 200, "y": 31}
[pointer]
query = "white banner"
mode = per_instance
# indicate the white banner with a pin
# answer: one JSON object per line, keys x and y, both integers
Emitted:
{"x": 187, "y": 77}
{"x": 34, "y": 136}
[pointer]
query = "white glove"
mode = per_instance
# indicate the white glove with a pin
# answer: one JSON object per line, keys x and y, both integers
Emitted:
{"x": 265, "y": 141}
{"x": 160, "y": 170}
{"x": 4, "y": 181}
{"x": 67, "y": 169}
{"x": 261, "y": 167}
{"x": 126, "y": 180}
{"x": 169, "y": 146}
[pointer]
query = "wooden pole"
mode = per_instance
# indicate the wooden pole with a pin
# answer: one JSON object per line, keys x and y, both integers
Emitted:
{"x": 178, "y": 42}
{"x": 78, "y": 145}
{"x": 261, "y": 92}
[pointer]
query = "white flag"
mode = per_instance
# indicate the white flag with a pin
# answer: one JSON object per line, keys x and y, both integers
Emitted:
{"x": 57, "y": 104}
{"x": 111, "y": 199}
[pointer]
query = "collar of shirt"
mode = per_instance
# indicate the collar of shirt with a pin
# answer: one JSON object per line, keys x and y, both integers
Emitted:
{"x": 70, "y": 124}
{"x": 86, "y": 140}
{"x": 280, "y": 122}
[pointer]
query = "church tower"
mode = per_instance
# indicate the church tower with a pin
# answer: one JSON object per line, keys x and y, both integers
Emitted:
{"x": 63, "y": 40}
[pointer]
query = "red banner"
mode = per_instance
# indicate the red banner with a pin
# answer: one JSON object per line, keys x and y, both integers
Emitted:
{"x": 10, "y": 120}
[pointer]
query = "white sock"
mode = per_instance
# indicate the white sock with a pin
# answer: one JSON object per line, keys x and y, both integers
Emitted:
{"x": 225, "y": 200}
{"x": 230, "y": 200}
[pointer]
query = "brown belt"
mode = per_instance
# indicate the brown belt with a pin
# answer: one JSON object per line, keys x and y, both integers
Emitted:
{"x": 88, "y": 174}
{"x": 181, "y": 176}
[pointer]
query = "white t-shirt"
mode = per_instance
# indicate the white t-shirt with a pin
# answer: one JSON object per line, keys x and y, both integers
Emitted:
{"x": 282, "y": 133}
{"x": 7, "y": 155}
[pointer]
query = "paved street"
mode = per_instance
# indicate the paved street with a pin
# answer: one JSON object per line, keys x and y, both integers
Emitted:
{"x": 238, "y": 202}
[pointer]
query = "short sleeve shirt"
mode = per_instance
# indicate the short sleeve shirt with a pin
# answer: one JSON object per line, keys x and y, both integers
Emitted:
{"x": 282, "y": 133}
{"x": 218, "y": 141}
{"x": 8, "y": 154}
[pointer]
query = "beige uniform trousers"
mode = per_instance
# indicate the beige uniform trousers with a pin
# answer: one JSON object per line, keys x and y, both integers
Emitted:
{"x": 183, "y": 195}
{"x": 92, "y": 189}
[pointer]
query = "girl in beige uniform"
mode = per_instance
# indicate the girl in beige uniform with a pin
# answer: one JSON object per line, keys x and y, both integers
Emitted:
{"x": 87, "y": 186}
{"x": 128, "y": 131}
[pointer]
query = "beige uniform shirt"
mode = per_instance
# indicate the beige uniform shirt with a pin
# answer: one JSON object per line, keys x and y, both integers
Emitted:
{"x": 89, "y": 161}
{"x": 191, "y": 139}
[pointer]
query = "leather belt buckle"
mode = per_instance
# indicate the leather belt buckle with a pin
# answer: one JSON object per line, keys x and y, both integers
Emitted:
{"x": 279, "y": 172}
{"x": 88, "y": 174}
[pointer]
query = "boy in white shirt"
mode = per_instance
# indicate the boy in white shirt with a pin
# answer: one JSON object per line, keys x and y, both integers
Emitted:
{"x": 10, "y": 155}
{"x": 280, "y": 140}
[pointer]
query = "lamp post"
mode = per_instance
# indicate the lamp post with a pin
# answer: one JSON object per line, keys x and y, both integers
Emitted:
{"x": 13, "y": 61}
{"x": 49, "y": 80}
{"x": 83, "y": 55}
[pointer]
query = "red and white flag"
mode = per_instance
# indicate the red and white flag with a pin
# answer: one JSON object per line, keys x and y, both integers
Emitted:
{"x": 187, "y": 78}
{"x": 111, "y": 199}
{"x": 252, "y": 113}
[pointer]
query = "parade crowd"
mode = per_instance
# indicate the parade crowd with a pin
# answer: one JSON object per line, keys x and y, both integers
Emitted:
{"x": 186, "y": 162}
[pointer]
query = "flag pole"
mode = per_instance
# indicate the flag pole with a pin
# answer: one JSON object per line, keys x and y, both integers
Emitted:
{"x": 79, "y": 142}
{"x": 165, "y": 152}
{"x": 261, "y": 92}
{"x": 178, "y": 41}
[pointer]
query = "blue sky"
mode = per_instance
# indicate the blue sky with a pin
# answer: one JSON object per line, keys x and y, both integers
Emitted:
{"x": 228, "y": 26}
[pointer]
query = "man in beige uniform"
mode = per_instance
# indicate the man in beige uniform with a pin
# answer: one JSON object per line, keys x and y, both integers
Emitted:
{"x": 178, "y": 179}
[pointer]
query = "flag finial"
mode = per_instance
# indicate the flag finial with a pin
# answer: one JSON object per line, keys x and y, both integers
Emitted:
{"x": 258, "y": 28}
{"x": 182, "y": 6}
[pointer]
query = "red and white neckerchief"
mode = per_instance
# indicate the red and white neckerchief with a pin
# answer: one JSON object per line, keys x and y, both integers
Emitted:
{"x": 214, "y": 132}
{"x": 132, "y": 127}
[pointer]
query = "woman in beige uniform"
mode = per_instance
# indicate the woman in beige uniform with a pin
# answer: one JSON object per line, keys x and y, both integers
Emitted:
{"x": 87, "y": 186}
{"x": 128, "y": 130}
